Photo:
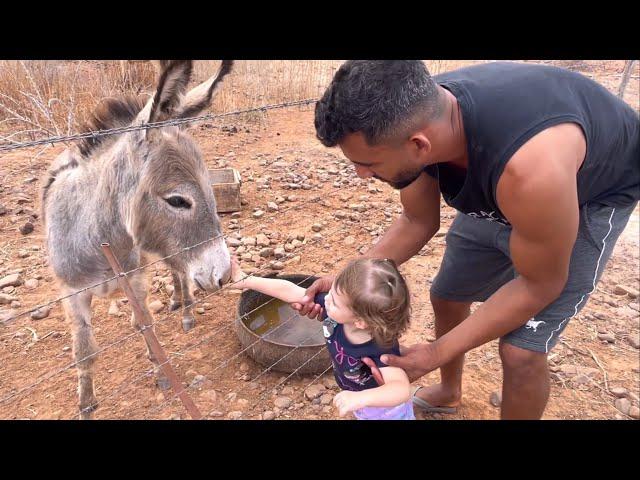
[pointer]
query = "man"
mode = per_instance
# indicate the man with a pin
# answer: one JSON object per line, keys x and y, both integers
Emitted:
{"x": 543, "y": 166}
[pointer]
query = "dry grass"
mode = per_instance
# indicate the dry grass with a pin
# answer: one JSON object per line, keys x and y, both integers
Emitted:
{"x": 45, "y": 98}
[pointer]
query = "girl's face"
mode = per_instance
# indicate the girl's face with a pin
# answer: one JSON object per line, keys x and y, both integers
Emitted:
{"x": 337, "y": 305}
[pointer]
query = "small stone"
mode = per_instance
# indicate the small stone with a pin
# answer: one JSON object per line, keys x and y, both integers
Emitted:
{"x": 244, "y": 367}
{"x": 258, "y": 214}
{"x": 235, "y": 415}
{"x": 27, "y": 228}
{"x": 619, "y": 392}
{"x": 634, "y": 412}
{"x": 16, "y": 304}
{"x": 327, "y": 409}
{"x": 6, "y": 299}
{"x": 291, "y": 198}
{"x": 169, "y": 289}
{"x": 279, "y": 252}
{"x": 249, "y": 241}
{"x": 13, "y": 280}
{"x": 326, "y": 399}
{"x": 607, "y": 337}
{"x": 349, "y": 241}
{"x": 236, "y": 215}
{"x": 66, "y": 349}
{"x": 624, "y": 290}
{"x": 262, "y": 240}
{"x": 330, "y": 383}
{"x": 581, "y": 379}
{"x": 289, "y": 248}
{"x": 633, "y": 339}
{"x": 3, "y": 210}
{"x": 268, "y": 415}
{"x": 31, "y": 284}
{"x": 277, "y": 265}
{"x": 495, "y": 399}
{"x": 207, "y": 306}
{"x": 233, "y": 242}
{"x": 41, "y": 313}
{"x": 266, "y": 252}
{"x": 156, "y": 306}
{"x": 272, "y": 207}
{"x": 287, "y": 391}
{"x": 316, "y": 227}
{"x": 314, "y": 391}
{"x": 174, "y": 416}
{"x": 209, "y": 396}
{"x": 216, "y": 413}
{"x": 441, "y": 233}
{"x": 282, "y": 402}
{"x": 242, "y": 403}
{"x": 23, "y": 254}
{"x": 200, "y": 310}
{"x": 623, "y": 405}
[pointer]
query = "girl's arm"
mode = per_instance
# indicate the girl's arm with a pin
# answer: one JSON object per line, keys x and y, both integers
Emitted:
{"x": 274, "y": 287}
{"x": 396, "y": 390}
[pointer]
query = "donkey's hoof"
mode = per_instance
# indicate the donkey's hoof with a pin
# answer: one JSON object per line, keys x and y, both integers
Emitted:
{"x": 163, "y": 383}
{"x": 174, "y": 305}
{"x": 188, "y": 323}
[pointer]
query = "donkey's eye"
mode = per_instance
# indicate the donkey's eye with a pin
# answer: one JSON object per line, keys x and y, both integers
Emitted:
{"x": 178, "y": 202}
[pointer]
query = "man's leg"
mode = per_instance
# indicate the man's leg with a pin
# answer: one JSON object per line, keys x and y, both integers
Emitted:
{"x": 525, "y": 383}
{"x": 447, "y": 393}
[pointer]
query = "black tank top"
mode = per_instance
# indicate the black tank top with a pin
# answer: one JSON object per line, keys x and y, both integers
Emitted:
{"x": 504, "y": 104}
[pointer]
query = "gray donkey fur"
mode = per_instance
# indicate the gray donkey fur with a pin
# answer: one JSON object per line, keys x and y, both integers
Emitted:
{"x": 148, "y": 194}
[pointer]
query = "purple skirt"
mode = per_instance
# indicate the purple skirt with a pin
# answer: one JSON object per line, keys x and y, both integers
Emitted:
{"x": 404, "y": 411}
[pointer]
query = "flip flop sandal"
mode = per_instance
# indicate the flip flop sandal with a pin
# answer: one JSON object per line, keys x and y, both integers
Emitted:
{"x": 427, "y": 407}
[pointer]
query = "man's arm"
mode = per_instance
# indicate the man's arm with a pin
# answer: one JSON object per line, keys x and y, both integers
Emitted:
{"x": 538, "y": 194}
{"x": 418, "y": 223}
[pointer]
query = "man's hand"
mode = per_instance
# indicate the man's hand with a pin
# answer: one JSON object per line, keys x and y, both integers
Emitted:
{"x": 416, "y": 360}
{"x": 347, "y": 401}
{"x": 308, "y": 307}
{"x": 375, "y": 371}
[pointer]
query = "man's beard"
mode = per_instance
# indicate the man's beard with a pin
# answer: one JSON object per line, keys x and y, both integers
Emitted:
{"x": 403, "y": 179}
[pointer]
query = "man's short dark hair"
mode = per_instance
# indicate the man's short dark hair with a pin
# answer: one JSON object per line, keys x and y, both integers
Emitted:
{"x": 383, "y": 99}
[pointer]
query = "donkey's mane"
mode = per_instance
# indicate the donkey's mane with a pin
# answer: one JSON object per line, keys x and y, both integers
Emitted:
{"x": 110, "y": 113}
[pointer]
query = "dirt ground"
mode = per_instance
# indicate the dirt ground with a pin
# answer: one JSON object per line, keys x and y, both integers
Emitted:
{"x": 271, "y": 157}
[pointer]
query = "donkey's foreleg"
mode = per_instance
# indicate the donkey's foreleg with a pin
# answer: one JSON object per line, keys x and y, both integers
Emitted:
{"x": 184, "y": 299}
{"x": 78, "y": 312}
{"x": 139, "y": 286}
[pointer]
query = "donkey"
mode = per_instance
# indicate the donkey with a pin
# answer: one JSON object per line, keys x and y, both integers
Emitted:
{"x": 148, "y": 194}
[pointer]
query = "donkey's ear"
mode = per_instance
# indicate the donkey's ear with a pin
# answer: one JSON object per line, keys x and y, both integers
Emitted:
{"x": 201, "y": 96}
{"x": 174, "y": 78}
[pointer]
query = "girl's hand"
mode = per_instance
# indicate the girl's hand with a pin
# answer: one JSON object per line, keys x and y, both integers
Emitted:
{"x": 237, "y": 274}
{"x": 347, "y": 401}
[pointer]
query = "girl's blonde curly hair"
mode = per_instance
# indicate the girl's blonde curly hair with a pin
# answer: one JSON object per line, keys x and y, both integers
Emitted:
{"x": 378, "y": 294}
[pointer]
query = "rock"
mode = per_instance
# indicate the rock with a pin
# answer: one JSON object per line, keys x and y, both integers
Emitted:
{"x": 607, "y": 337}
{"x": 41, "y": 313}
{"x": 624, "y": 290}
{"x": 156, "y": 306}
{"x": 327, "y": 409}
{"x": 316, "y": 227}
{"x": 23, "y": 254}
{"x": 349, "y": 241}
{"x": 215, "y": 413}
{"x": 262, "y": 240}
{"x": 16, "y": 304}
{"x": 231, "y": 397}
{"x": 266, "y": 252}
{"x": 235, "y": 415}
{"x": 326, "y": 399}
{"x": 289, "y": 248}
{"x": 272, "y": 207}
{"x": 3, "y": 210}
{"x": 242, "y": 403}
{"x": 623, "y": 405}
{"x": 207, "y": 306}
{"x": 258, "y": 214}
{"x": 287, "y": 391}
{"x": 13, "y": 280}
{"x": 210, "y": 396}
{"x": 31, "y": 284}
{"x": 581, "y": 379}
{"x": 314, "y": 391}
{"x": 233, "y": 242}
{"x": 296, "y": 243}
{"x": 236, "y": 215}
{"x": 268, "y": 415}
{"x": 279, "y": 252}
{"x": 174, "y": 416}
{"x": 619, "y": 392}
{"x": 442, "y": 232}
{"x": 244, "y": 367}
{"x": 282, "y": 402}
{"x": 249, "y": 241}
{"x": 330, "y": 383}
{"x": 66, "y": 349}
{"x": 633, "y": 339}
{"x": 27, "y": 228}
{"x": 200, "y": 310}
{"x": 634, "y": 412}
{"x": 113, "y": 309}
{"x": 495, "y": 399}
{"x": 277, "y": 265}
{"x": 7, "y": 299}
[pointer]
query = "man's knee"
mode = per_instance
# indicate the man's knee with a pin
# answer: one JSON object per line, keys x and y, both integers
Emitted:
{"x": 521, "y": 364}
